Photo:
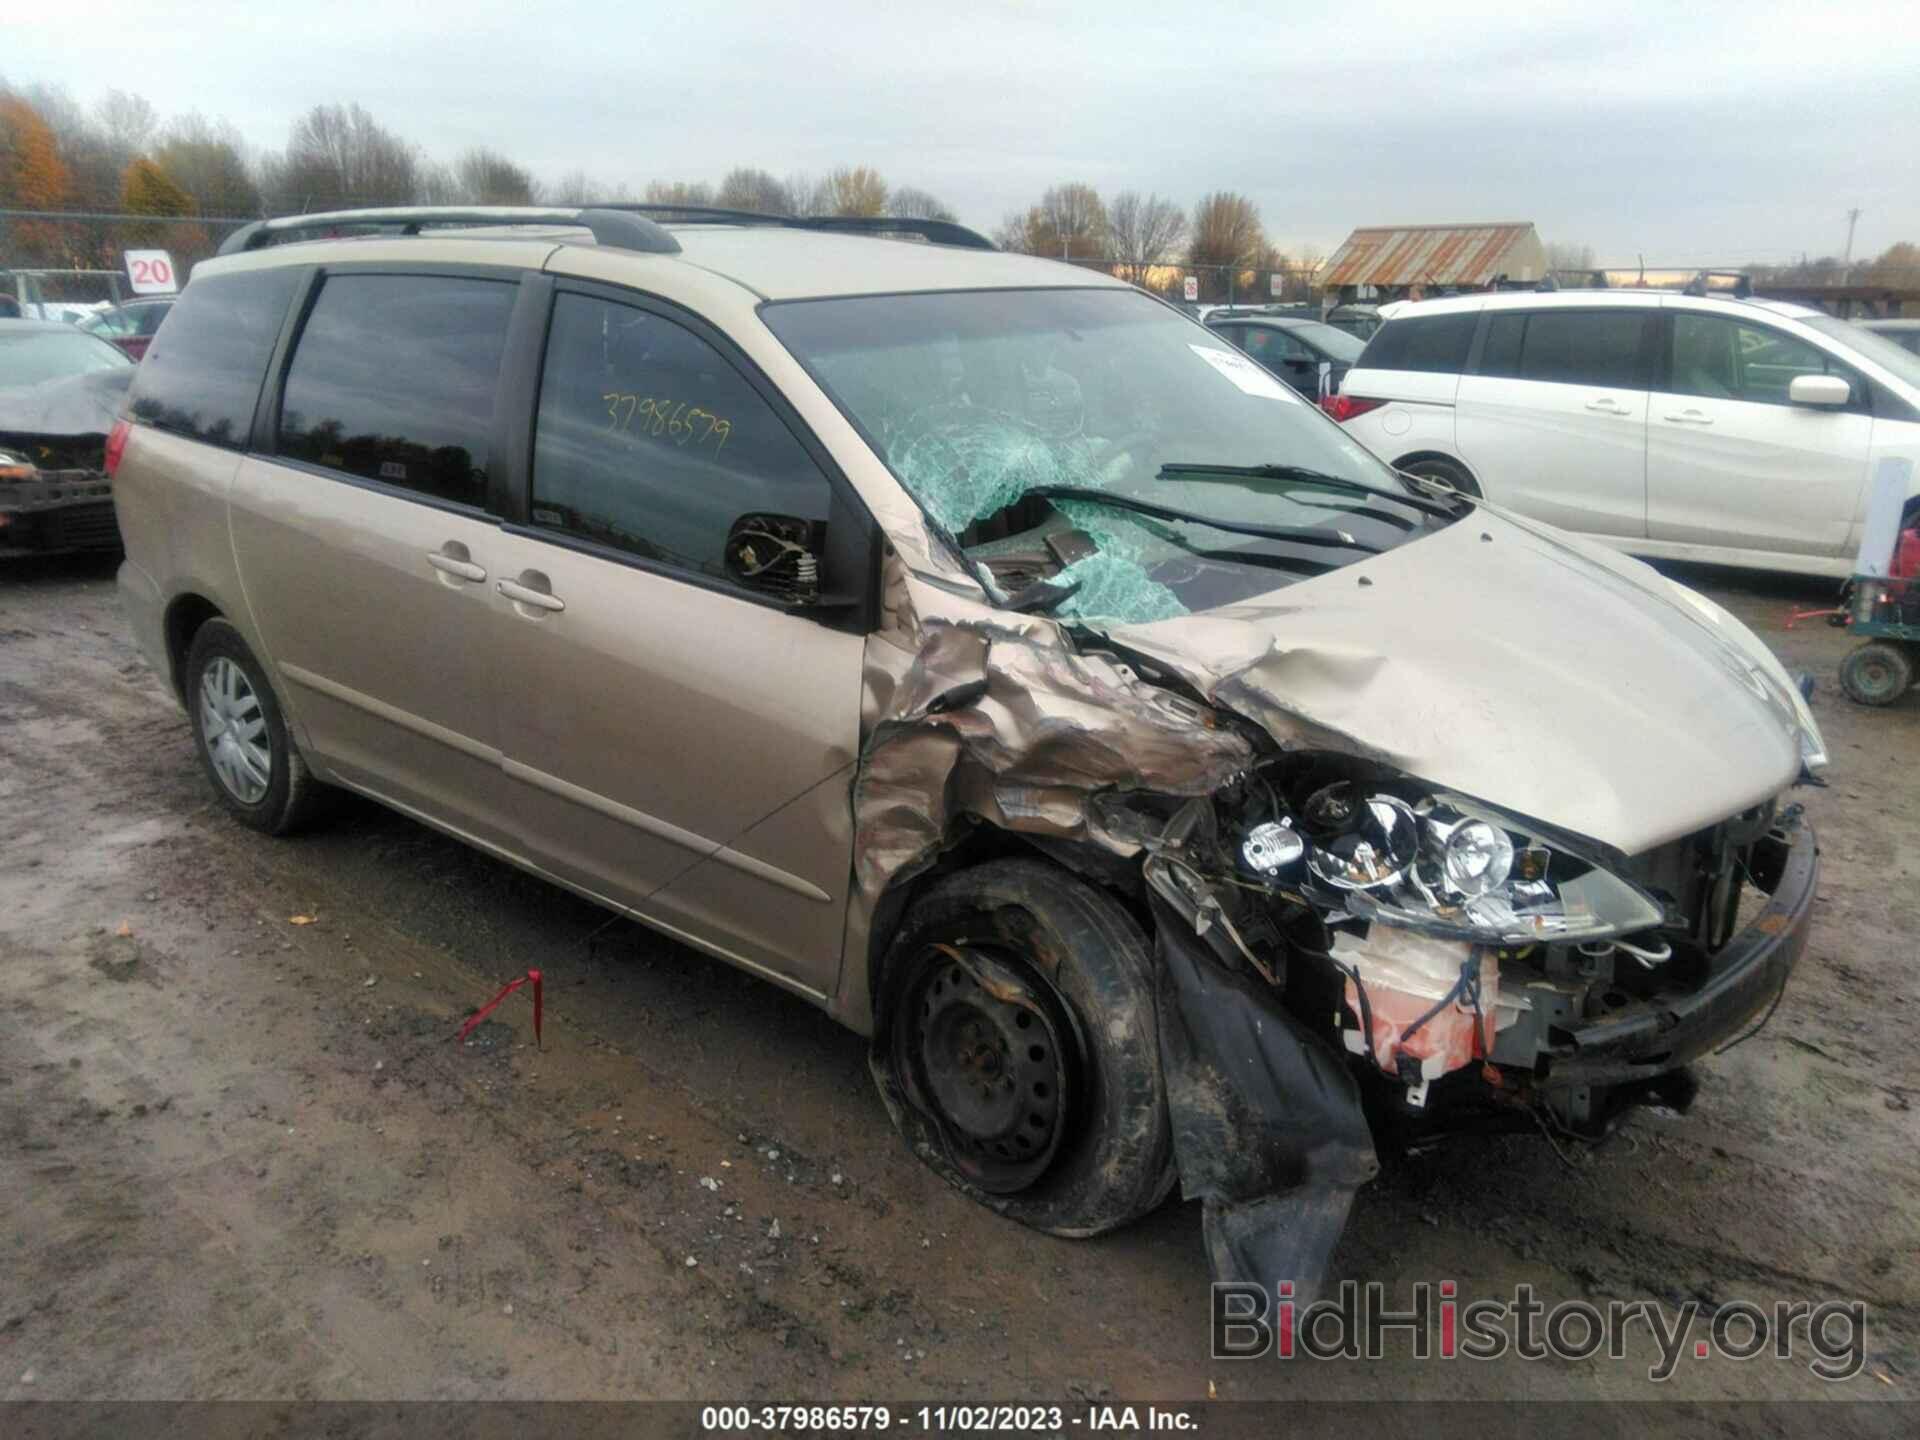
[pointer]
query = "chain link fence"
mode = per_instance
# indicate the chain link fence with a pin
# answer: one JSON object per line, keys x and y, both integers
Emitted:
{"x": 1217, "y": 284}
{"x": 78, "y": 257}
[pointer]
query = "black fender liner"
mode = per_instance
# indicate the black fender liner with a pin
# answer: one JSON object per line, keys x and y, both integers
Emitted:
{"x": 1268, "y": 1129}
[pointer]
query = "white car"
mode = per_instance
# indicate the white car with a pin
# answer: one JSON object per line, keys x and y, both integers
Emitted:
{"x": 1686, "y": 427}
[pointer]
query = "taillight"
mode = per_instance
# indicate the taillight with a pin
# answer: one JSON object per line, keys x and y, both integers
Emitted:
{"x": 117, "y": 445}
{"x": 1348, "y": 407}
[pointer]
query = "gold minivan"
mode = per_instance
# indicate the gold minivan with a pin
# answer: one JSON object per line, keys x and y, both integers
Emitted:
{"x": 983, "y": 650}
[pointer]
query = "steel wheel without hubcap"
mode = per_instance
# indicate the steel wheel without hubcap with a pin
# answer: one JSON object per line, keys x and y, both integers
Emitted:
{"x": 986, "y": 1047}
{"x": 234, "y": 729}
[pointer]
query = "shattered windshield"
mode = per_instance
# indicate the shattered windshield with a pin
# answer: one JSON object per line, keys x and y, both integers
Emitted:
{"x": 986, "y": 403}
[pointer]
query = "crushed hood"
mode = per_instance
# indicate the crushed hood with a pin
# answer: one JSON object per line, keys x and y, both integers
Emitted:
{"x": 1502, "y": 661}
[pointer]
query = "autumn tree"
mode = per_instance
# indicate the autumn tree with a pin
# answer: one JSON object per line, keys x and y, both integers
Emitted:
{"x": 856, "y": 190}
{"x": 1898, "y": 265}
{"x": 149, "y": 190}
{"x": 745, "y": 188}
{"x": 486, "y": 177}
{"x": 1069, "y": 223}
{"x": 208, "y": 161}
{"x": 32, "y": 177}
{"x": 1227, "y": 241}
{"x": 911, "y": 203}
{"x": 1145, "y": 231}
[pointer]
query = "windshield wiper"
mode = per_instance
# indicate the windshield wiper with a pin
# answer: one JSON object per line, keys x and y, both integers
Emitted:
{"x": 1301, "y": 535}
{"x": 1184, "y": 470}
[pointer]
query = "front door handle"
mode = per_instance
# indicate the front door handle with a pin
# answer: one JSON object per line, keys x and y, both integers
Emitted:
{"x": 537, "y": 594}
{"x": 1691, "y": 417}
{"x": 456, "y": 565}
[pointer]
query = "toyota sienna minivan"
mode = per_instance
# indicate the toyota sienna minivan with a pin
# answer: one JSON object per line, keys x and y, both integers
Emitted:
{"x": 990, "y": 655}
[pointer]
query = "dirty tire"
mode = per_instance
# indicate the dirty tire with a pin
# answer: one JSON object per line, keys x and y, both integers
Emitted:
{"x": 1113, "y": 1160}
{"x": 1446, "y": 472}
{"x": 1876, "y": 674}
{"x": 291, "y": 793}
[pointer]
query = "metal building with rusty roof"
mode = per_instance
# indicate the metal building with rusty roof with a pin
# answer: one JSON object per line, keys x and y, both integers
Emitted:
{"x": 1393, "y": 260}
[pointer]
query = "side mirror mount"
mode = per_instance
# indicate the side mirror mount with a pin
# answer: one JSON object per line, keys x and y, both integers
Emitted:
{"x": 1825, "y": 391}
{"x": 776, "y": 555}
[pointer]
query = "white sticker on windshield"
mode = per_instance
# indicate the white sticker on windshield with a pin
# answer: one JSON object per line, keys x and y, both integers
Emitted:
{"x": 1244, "y": 373}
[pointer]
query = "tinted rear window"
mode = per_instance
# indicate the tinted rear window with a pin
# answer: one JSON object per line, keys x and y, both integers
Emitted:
{"x": 1421, "y": 342}
{"x": 393, "y": 379}
{"x": 202, "y": 374}
{"x": 1585, "y": 347}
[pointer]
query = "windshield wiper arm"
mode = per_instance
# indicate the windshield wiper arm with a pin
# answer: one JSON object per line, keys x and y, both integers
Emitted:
{"x": 1187, "y": 471}
{"x": 1301, "y": 535}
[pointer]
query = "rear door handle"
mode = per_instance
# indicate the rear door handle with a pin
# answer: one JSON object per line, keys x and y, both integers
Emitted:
{"x": 1608, "y": 407}
{"x": 526, "y": 595}
{"x": 456, "y": 566}
{"x": 1691, "y": 417}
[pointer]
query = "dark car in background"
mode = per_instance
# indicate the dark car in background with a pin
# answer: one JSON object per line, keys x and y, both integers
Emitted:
{"x": 1292, "y": 347}
{"x": 130, "y": 326}
{"x": 60, "y": 391}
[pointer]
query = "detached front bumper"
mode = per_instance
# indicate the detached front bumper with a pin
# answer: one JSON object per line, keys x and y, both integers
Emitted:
{"x": 1654, "y": 1036}
{"x": 69, "y": 511}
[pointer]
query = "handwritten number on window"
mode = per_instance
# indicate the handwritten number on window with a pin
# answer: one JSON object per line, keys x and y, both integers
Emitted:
{"x": 665, "y": 418}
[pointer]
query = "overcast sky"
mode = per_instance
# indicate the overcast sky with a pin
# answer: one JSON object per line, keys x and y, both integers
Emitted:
{"x": 1690, "y": 132}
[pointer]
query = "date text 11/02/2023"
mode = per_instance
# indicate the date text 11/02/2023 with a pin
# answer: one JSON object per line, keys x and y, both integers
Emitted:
{"x": 946, "y": 1419}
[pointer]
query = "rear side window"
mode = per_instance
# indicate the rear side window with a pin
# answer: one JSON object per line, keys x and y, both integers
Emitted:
{"x": 202, "y": 374}
{"x": 649, "y": 441}
{"x": 1586, "y": 347}
{"x": 1421, "y": 342}
{"x": 393, "y": 380}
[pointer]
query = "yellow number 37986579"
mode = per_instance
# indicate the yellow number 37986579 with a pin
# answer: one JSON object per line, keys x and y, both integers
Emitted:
{"x": 665, "y": 418}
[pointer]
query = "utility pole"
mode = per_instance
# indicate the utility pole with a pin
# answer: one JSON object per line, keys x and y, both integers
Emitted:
{"x": 1853, "y": 218}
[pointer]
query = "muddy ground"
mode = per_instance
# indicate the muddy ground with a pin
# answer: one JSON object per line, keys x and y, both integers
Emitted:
{"x": 239, "y": 1156}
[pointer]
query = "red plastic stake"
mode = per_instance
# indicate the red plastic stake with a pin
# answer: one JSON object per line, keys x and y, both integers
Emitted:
{"x": 493, "y": 1004}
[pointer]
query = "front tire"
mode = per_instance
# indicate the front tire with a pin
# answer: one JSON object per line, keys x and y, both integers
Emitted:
{"x": 1019, "y": 1050}
{"x": 251, "y": 761}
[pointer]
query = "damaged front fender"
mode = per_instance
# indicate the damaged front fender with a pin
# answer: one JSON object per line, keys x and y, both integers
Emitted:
{"x": 1268, "y": 1129}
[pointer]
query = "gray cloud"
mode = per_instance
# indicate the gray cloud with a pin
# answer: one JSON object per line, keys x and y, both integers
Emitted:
{"x": 1702, "y": 133}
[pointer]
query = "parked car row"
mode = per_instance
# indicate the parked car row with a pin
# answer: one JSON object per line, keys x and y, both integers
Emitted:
{"x": 60, "y": 390}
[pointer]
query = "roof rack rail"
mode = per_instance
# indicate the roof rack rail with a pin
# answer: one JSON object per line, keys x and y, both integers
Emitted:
{"x": 936, "y": 232}
{"x": 614, "y": 228}
{"x": 1702, "y": 283}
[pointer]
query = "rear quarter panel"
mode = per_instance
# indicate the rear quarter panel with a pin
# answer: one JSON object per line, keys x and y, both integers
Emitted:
{"x": 1417, "y": 418}
{"x": 170, "y": 495}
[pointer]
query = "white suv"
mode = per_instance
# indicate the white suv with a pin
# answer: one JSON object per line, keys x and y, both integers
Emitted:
{"x": 1731, "y": 431}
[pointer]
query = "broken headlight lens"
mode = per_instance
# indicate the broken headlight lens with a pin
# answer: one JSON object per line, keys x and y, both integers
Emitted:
{"x": 1447, "y": 866}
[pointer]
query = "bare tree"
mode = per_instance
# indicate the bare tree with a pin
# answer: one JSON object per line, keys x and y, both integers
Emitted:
{"x": 756, "y": 190}
{"x": 1146, "y": 231}
{"x": 209, "y": 162}
{"x": 1227, "y": 240}
{"x": 1569, "y": 257}
{"x": 126, "y": 122}
{"x": 911, "y": 203}
{"x": 808, "y": 194}
{"x": 486, "y": 177}
{"x": 856, "y": 190}
{"x": 679, "y": 192}
{"x": 1011, "y": 233}
{"x": 339, "y": 156}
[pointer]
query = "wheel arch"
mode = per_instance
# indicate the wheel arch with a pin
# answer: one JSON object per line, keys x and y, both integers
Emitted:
{"x": 1414, "y": 457}
{"x": 186, "y": 613}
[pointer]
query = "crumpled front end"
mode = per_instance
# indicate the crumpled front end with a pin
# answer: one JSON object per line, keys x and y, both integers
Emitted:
{"x": 1397, "y": 871}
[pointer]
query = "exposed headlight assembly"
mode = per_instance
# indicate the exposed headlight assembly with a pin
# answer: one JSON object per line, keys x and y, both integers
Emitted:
{"x": 1445, "y": 866}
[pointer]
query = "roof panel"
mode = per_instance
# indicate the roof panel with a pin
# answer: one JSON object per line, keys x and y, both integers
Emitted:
{"x": 1427, "y": 254}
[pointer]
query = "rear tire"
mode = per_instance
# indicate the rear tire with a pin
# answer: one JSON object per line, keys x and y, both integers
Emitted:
{"x": 1876, "y": 674}
{"x": 1019, "y": 1050}
{"x": 256, "y": 770}
{"x": 1447, "y": 472}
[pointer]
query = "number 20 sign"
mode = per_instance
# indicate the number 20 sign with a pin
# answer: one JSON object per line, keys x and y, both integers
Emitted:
{"x": 151, "y": 272}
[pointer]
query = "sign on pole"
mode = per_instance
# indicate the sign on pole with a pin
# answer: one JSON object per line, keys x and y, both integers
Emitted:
{"x": 151, "y": 272}
{"x": 1191, "y": 287}
{"x": 1276, "y": 284}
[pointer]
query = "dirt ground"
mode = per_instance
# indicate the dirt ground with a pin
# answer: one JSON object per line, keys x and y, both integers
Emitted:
{"x": 240, "y": 1157}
